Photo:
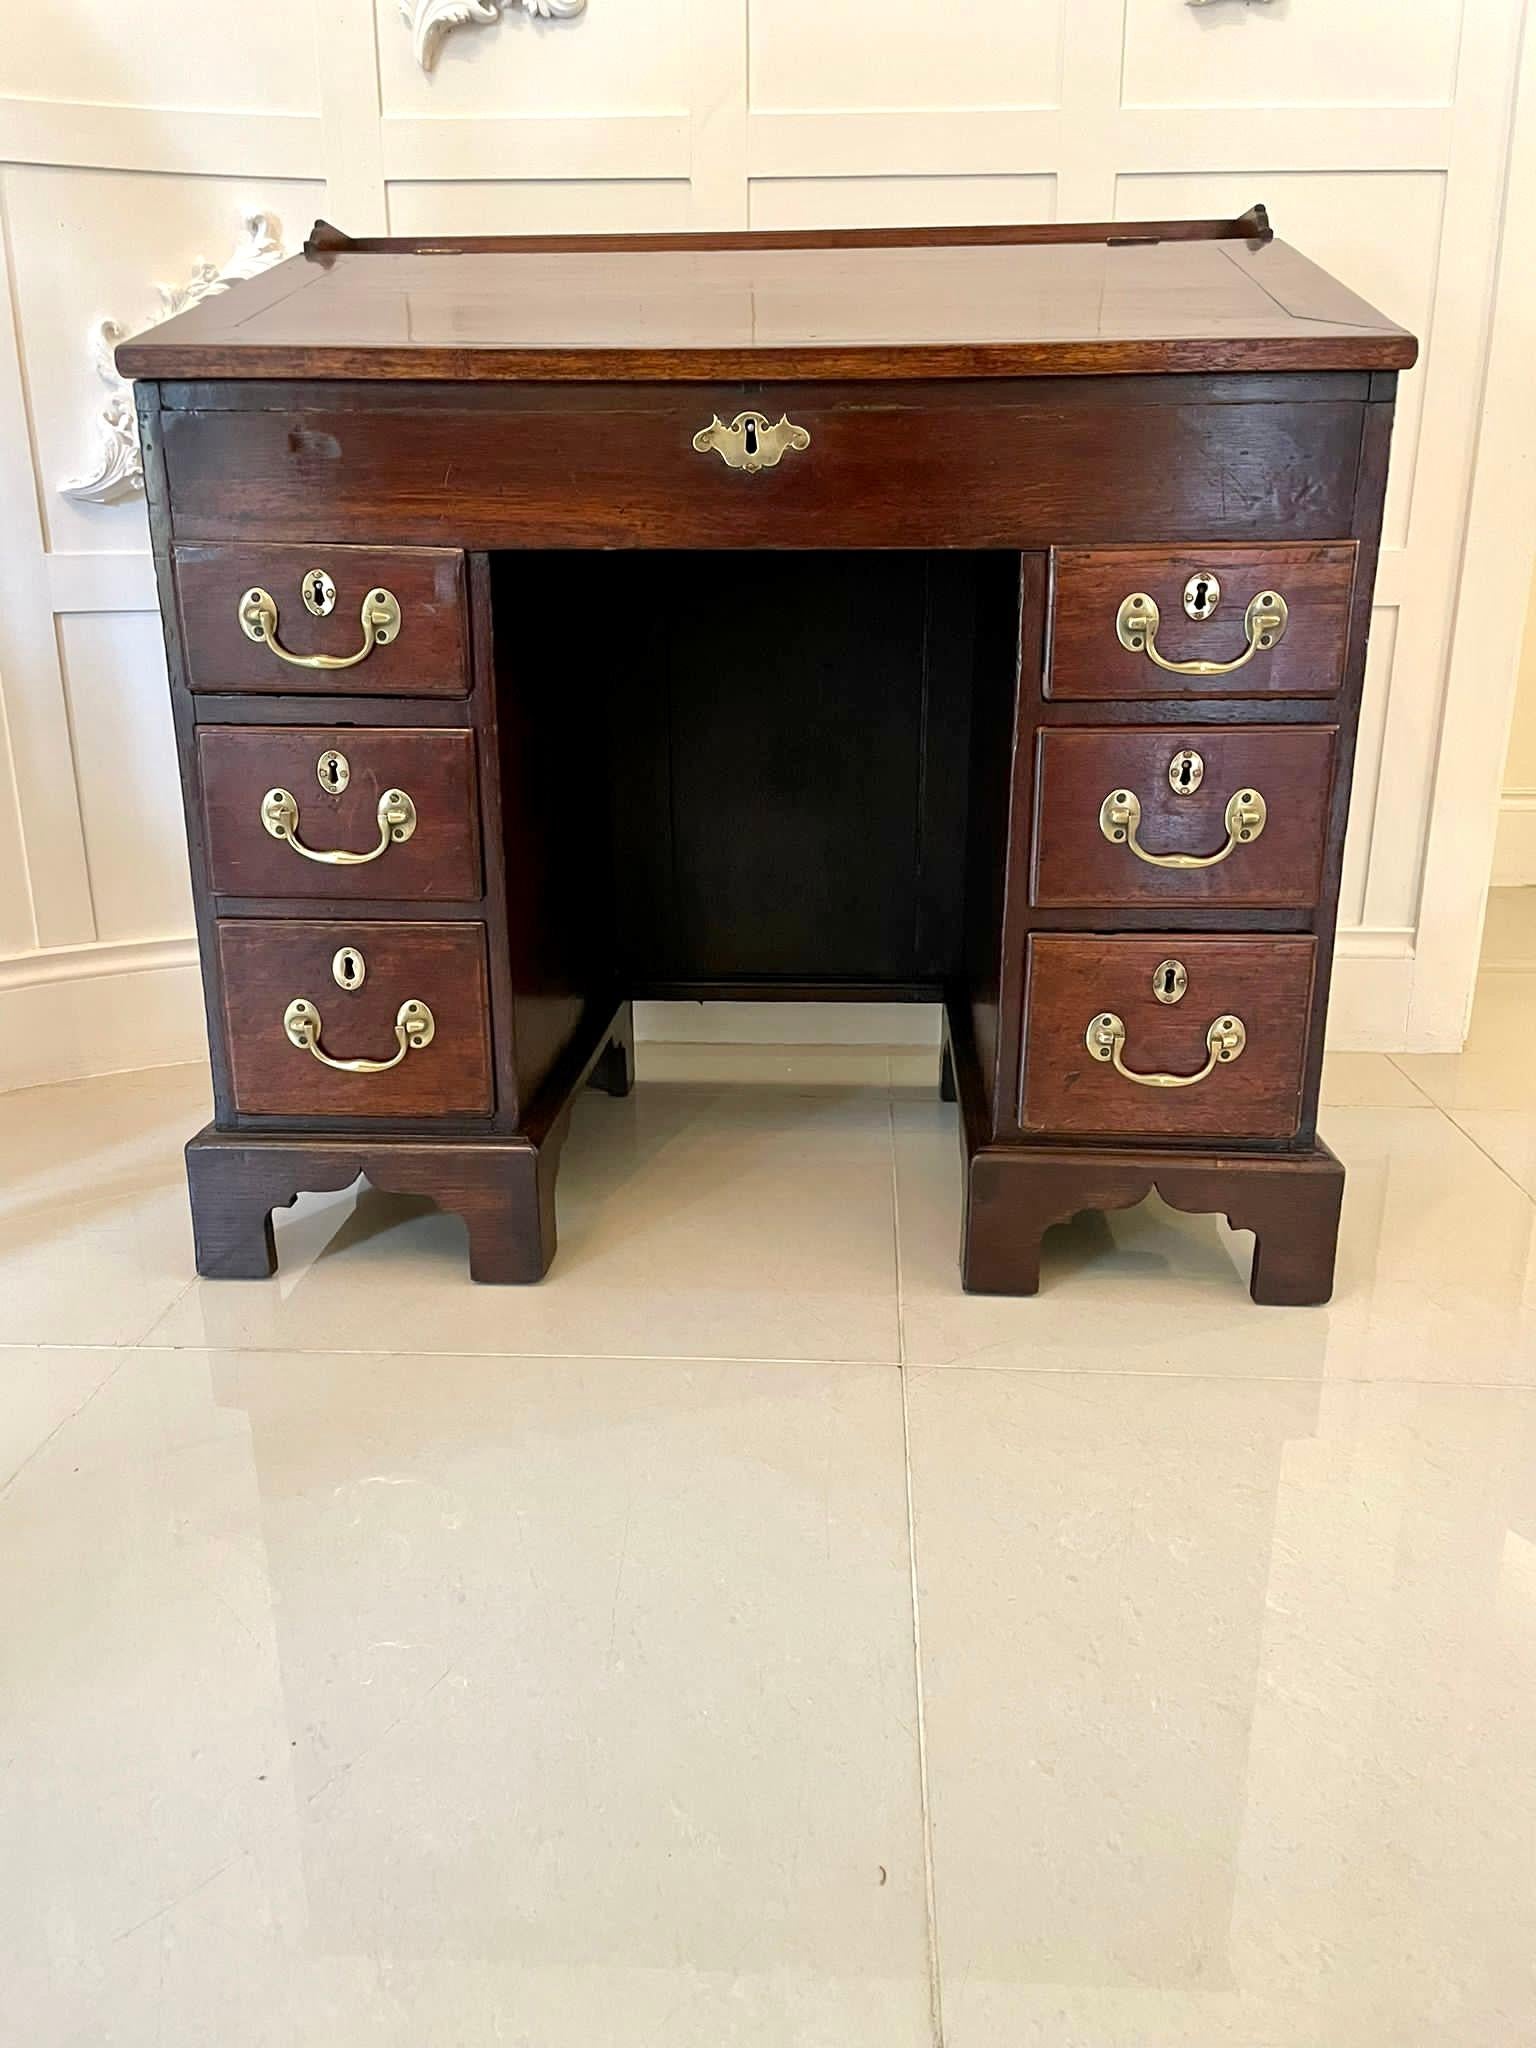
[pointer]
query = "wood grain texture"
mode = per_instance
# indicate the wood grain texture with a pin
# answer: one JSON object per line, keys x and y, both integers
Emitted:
{"x": 1074, "y": 864}
{"x": 1070, "y": 979}
{"x": 237, "y": 765}
{"x": 1014, "y": 1194}
{"x": 265, "y": 964}
{"x": 503, "y": 1186}
{"x": 1086, "y": 660}
{"x": 865, "y": 306}
{"x": 947, "y": 465}
{"x": 428, "y": 659}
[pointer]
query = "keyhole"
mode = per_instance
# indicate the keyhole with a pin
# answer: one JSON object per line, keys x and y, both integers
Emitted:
{"x": 1169, "y": 981}
{"x": 1201, "y": 587}
{"x": 1186, "y": 772}
{"x": 317, "y": 591}
{"x": 348, "y": 968}
{"x": 333, "y": 771}
{"x": 749, "y": 436}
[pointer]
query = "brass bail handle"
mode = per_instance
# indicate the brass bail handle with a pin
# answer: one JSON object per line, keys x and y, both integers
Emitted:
{"x": 1138, "y": 619}
{"x": 751, "y": 442}
{"x": 396, "y": 817}
{"x": 257, "y": 613}
{"x": 414, "y": 1029}
{"x": 1224, "y": 1042}
{"x": 1120, "y": 819}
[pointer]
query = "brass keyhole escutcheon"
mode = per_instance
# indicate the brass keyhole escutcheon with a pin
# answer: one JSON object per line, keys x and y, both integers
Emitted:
{"x": 333, "y": 772}
{"x": 1186, "y": 772}
{"x": 1169, "y": 981}
{"x": 752, "y": 442}
{"x": 349, "y": 970}
{"x": 1202, "y": 594}
{"x": 319, "y": 593}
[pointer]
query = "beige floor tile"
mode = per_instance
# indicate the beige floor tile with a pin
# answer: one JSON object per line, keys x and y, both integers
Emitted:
{"x": 785, "y": 1066}
{"x": 461, "y": 1701}
{"x": 1509, "y": 931}
{"x": 694, "y": 1221}
{"x": 1436, "y": 1275}
{"x": 40, "y": 1390}
{"x": 95, "y": 1242}
{"x": 1508, "y": 1136}
{"x": 1496, "y": 1070}
{"x": 95, "y": 1138}
{"x": 916, "y": 1069}
{"x": 1228, "y": 1706}
{"x": 1367, "y": 1080}
{"x": 92, "y": 1272}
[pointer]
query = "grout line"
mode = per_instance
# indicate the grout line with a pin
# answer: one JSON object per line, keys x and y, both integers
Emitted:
{"x": 901, "y": 1316}
{"x": 1395, "y": 1063}
{"x": 1257, "y": 1379}
{"x": 935, "y": 1983}
{"x": 1472, "y": 1139}
{"x": 42, "y": 1444}
{"x": 277, "y": 1349}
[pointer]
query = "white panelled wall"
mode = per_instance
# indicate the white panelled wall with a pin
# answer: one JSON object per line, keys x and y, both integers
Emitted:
{"x": 134, "y": 140}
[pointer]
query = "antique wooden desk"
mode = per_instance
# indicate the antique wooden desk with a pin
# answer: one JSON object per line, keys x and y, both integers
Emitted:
{"x": 974, "y": 615}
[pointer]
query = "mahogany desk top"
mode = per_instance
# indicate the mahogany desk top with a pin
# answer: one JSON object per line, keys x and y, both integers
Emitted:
{"x": 1117, "y": 298}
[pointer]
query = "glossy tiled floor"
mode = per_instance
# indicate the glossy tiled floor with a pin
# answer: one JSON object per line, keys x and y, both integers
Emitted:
{"x": 389, "y": 1661}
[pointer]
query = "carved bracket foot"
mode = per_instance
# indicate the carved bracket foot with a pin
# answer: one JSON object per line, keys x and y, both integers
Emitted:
{"x": 1290, "y": 1201}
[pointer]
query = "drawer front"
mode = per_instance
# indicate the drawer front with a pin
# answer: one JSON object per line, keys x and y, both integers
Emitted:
{"x": 356, "y": 980}
{"x": 1119, "y": 809}
{"x": 1074, "y": 982}
{"x": 1199, "y": 604}
{"x": 398, "y": 802}
{"x": 322, "y": 604}
{"x": 1002, "y": 463}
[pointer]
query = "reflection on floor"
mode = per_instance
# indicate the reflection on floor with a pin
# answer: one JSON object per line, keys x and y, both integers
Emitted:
{"x": 387, "y": 1660}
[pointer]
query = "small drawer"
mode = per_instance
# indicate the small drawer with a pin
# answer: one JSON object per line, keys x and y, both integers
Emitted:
{"x": 377, "y": 622}
{"x": 1198, "y": 621}
{"x": 1107, "y": 1020}
{"x": 1122, "y": 810}
{"x": 409, "y": 1000}
{"x": 341, "y": 813}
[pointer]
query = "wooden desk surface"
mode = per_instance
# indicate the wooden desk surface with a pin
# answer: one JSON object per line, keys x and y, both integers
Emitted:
{"x": 1113, "y": 299}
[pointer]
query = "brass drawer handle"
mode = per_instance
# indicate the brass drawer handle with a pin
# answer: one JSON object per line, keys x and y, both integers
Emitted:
{"x": 397, "y": 821}
{"x": 257, "y": 613}
{"x": 1105, "y": 1039}
{"x": 1137, "y": 621}
{"x": 751, "y": 442}
{"x": 414, "y": 1027}
{"x": 1120, "y": 817}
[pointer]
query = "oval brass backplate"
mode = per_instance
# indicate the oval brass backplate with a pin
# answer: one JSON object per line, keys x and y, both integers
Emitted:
{"x": 333, "y": 772}
{"x": 349, "y": 969}
{"x": 1169, "y": 981}
{"x": 319, "y": 593}
{"x": 1186, "y": 772}
{"x": 1202, "y": 594}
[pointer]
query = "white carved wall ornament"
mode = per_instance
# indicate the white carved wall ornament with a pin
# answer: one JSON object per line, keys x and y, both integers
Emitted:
{"x": 118, "y": 472}
{"x": 430, "y": 20}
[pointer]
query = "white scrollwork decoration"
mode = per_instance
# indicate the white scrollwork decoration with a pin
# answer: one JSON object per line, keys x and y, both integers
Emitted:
{"x": 118, "y": 470}
{"x": 430, "y": 20}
